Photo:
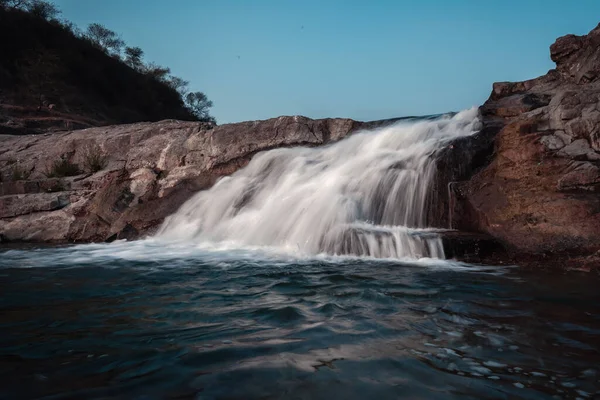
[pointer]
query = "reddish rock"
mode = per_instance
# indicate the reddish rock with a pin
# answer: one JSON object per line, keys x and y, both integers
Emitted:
{"x": 540, "y": 193}
{"x": 577, "y": 57}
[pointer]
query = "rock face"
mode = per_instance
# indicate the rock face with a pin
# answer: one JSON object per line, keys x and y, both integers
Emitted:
{"x": 150, "y": 169}
{"x": 541, "y": 191}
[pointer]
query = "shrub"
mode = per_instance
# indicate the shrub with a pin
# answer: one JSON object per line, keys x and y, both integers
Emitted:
{"x": 61, "y": 168}
{"x": 94, "y": 159}
{"x": 198, "y": 104}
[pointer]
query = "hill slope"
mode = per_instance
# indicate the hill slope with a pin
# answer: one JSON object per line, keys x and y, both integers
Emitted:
{"x": 52, "y": 79}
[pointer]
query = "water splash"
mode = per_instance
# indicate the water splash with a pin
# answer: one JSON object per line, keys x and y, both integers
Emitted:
{"x": 365, "y": 195}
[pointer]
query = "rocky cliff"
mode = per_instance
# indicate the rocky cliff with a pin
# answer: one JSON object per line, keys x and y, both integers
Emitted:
{"x": 540, "y": 194}
{"x": 145, "y": 172}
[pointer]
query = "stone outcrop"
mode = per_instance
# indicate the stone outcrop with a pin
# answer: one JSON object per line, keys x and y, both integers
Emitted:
{"x": 540, "y": 192}
{"x": 150, "y": 170}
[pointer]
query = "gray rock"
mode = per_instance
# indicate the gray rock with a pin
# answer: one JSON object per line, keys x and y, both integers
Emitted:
{"x": 552, "y": 142}
{"x": 16, "y": 205}
{"x": 152, "y": 168}
{"x": 595, "y": 139}
{"x": 563, "y": 136}
{"x": 576, "y": 150}
{"x": 570, "y": 113}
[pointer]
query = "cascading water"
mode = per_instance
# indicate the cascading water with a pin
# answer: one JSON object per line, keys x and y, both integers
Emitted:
{"x": 365, "y": 195}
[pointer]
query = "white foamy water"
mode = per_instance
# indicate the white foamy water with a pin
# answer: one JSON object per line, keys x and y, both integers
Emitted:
{"x": 365, "y": 195}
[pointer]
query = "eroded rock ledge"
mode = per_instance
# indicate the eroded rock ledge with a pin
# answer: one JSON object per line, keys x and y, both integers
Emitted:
{"x": 151, "y": 169}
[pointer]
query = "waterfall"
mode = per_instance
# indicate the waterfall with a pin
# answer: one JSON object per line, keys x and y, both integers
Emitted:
{"x": 365, "y": 195}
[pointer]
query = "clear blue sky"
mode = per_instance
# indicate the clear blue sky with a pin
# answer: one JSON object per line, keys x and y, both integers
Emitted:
{"x": 366, "y": 60}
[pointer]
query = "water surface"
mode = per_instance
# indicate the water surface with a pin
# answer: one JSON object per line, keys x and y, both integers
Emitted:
{"x": 148, "y": 321}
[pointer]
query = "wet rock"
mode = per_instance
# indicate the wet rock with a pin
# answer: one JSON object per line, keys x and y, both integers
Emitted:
{"x": 127, "y": 233}
{"x": 456, "y": 162}
{"x": 472, "y": 247}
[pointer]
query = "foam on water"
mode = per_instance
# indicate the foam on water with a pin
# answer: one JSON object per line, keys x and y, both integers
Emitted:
{"x": 156, "y": 253}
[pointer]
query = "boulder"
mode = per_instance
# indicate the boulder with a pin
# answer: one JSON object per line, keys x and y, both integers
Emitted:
{"x": 577, "y": 57}
{"x": 539, "y": 192}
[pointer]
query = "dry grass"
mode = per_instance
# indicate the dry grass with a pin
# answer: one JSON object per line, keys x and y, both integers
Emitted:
{"x": 61, "y": 168}
{"x": 94, "y": 159}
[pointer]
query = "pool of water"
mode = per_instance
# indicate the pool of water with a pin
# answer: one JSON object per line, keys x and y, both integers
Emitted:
{"x": 134, "y": 322}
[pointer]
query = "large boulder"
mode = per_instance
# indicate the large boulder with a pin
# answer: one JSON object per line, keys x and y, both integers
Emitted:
{"x": 540, "y": 192}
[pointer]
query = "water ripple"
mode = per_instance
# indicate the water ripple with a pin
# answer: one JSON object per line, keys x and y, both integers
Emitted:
{"x": 270, "y": 327}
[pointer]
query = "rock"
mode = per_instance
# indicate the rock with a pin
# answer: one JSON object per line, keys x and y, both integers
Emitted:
{"x": 455, "y": 163}
{"x": 472, "y": 247}
{"x": 39, "y": 227}
{"x": 516, "y": 104}
{"x": 152, "y": 168}
{"x": 17, "y": 205}
{"x": 566, "y": 139}
{"x": 552, "y": 142}
{"x": 539, "y": 192}
{"x": 583, "y": 176}
{"x": 577, "y": 58}
{"x": 579, "y": 149}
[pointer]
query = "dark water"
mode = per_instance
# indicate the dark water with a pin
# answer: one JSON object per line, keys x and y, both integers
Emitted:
{"x": 146, "y": 324}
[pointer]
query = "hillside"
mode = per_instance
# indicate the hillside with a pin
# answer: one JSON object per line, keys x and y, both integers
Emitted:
{"x": 53, "y": 79}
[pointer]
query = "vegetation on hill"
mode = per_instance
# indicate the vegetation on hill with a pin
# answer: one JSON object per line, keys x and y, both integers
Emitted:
{"x": 50, "y": 69}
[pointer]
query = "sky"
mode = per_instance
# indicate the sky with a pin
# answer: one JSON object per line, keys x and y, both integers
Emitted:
{"x": 366, "y": 60}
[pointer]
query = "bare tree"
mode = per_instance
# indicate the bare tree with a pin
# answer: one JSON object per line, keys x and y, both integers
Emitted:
{"x": 104, "y": 39}
{"x": 21, "y": 4}
{"x": 133, "y": 57}
{"x": 39, "y": 8}
{"x": 157, "y": 72}
{"x": 199, "y": 105}
{"x": 71, "y": 27}
{"x": 43, "y": 9}
{"x": 181, "y": 85}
